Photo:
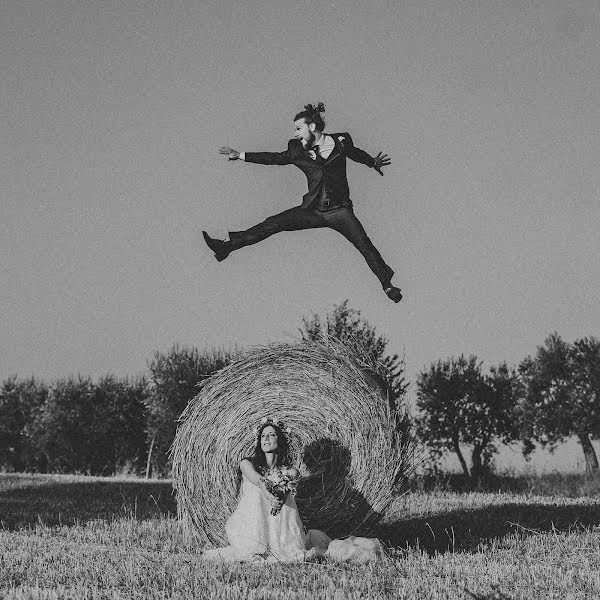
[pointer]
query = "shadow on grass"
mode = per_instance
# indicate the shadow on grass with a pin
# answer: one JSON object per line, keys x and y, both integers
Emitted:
{"x": 568, "y": 485}
{"x": 26, "y": 501}
{"x": 464, "y": 530}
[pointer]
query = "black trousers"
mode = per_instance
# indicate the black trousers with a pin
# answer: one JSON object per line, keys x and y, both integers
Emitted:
{"x": 342, "y": 219}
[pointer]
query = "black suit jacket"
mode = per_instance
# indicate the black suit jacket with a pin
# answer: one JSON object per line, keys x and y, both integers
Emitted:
{"x": 329, "y": 176}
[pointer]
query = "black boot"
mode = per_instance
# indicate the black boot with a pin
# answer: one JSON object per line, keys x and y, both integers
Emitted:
{"x": 393, "y": 293}
{"x": 219, "y": 247}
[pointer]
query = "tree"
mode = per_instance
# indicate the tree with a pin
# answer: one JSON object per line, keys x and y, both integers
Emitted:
{"x": 63, "y": 427}
{"x": 562, "y": 395}
{"x": 347, "y": 325}
{"x": 18, "y": 401}
{"x": 121, "y": 419}
{"x": 174, "y": 377}
{"x": 461, "y": 406}
{"x": 86, "y": 427}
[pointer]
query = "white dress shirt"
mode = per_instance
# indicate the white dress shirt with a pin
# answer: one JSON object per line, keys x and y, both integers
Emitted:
{"x": 326, "y": 146}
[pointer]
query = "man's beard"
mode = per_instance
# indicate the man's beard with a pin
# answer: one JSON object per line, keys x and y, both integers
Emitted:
{"x": 309, "y": 143}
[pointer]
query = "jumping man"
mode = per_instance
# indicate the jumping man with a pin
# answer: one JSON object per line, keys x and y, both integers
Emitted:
{"x": 322, "y": 158}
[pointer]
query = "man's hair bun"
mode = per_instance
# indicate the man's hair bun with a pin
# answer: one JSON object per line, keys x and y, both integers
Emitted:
{"x": 312, "y": 114}
{"x": 319, "y": 108}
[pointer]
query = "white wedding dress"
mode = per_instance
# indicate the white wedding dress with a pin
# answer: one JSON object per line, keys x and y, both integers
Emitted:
{"x": 256, "y": 535}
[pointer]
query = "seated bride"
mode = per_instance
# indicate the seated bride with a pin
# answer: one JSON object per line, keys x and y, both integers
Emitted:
{"x": 266, "y": 525}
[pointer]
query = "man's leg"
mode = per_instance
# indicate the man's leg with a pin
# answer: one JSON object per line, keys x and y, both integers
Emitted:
{"x": 292, "y": 219}
{"x": 344, "y": 221}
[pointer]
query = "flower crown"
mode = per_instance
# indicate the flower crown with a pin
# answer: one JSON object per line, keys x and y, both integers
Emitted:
{"x": 269, "y": 421}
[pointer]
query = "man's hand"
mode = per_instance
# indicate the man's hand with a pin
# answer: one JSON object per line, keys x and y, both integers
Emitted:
{"x": 231, "y": 153}
{"x": 381, "y": 160}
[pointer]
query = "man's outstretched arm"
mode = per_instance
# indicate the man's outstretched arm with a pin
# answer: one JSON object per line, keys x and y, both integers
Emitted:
{"x": 360, "y": 156}
{"x": 263, "y": 158}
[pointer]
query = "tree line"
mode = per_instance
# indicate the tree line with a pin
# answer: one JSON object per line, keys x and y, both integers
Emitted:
{"x": 548, "y": 398}
{"x": 113, "y": 425}
{"x": 126, "y": 425}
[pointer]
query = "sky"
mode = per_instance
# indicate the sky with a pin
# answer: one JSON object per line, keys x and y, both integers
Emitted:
{"x": 112, "y": 116}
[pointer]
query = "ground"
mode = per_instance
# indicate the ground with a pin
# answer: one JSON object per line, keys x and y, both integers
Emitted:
{"x": 78, "y": 537}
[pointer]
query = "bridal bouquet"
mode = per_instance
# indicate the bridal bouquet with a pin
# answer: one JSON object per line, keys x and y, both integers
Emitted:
{"x": 280, "y": 484}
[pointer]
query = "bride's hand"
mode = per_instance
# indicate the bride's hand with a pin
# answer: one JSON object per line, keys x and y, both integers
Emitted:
{"x": 270, "y": 497}
{"x": 293, "y": 473}
{"x": 274, "y": 500}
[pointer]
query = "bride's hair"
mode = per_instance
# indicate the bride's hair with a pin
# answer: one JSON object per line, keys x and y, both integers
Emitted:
{"x": 283, "y": 449}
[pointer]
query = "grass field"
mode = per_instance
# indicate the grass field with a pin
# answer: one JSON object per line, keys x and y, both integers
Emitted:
{"x": 82, "y": 537}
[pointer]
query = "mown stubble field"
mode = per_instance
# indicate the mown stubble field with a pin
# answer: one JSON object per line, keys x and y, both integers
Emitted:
{"x": 77, "y": 537}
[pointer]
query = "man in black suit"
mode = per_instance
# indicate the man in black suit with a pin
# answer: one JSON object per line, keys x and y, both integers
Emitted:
{"x": 322, "y": 158}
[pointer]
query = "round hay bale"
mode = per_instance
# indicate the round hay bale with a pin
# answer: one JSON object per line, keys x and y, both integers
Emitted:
{"x": 350, "y": 449}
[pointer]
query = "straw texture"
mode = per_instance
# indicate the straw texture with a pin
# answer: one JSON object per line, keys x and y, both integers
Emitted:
{"x": 350, "y": 450}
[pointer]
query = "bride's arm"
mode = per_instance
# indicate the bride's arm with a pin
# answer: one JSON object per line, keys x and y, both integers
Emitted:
{"x": 254, "y": 477}
{"x": 251, "y": 474}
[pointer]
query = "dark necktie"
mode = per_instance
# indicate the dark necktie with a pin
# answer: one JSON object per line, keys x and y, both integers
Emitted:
{"x": 318, "y": 157}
